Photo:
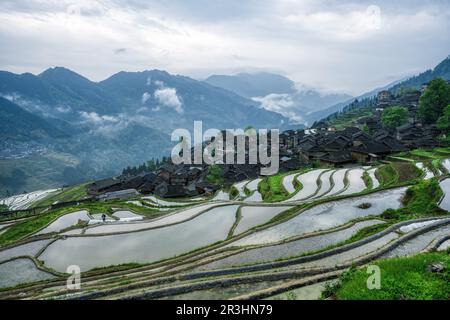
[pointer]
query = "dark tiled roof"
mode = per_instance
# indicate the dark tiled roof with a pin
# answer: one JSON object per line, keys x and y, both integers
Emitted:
{"x": 371, "y": 147}
{"x": 337, "y": 157}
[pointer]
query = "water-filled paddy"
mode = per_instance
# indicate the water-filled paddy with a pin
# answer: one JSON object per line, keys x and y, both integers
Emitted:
{"x": 428, "y": 173}
{"x": 356, "y": 183}
{"x": 375, "y": 182}
{"x": 124, "y": 215}
{"x": 289, "y": 249}
{"x": 254, "y": 216}
{"x": 308, "y": 181}
{"x": 221, "y": 196}
{"x": 240, "y": 188}
{"x": 180, "y": 216}
{"x": 252, "y": 186}
{"x": 255, "y": 197}
{"x": 338, "y": 179}
{"x": 27, "y": 249}
{"x": 444, "y": 245}
{"x": 349, "y": 255}
{"x": 68, "y": 220}
{"x": 445, "y": 186}
{"x": 163, "y": 203}
{"x": 325, "y": 184}
{"x": 418, "y": 243}
{"x": 144, "y": 246}
{"x": 446, "y": 164}
{"x": 20, "y": 271}
{"x": 288, "y": 182}
{"x": 326, "y": 216}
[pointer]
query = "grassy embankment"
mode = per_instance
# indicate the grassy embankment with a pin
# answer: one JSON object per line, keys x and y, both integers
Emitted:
{"x": 68, "y": 194}
{"x": 27, "y": 227}
{"x": 404, "y": 278}
{"x": 271, "y": 187}
{"x": 397, "y": 172}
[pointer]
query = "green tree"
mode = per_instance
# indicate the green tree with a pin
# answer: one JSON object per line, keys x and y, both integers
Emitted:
{"x": 214, "y": 175}
{"x": 433, "y": 101}
{"x": 443, "y": 122}
{"x": 394, "y": 116}
{"x": 365, "y": 128}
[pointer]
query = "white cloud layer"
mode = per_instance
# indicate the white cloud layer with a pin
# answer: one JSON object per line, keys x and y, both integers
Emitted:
{"x": 342, "y": 45}
{"x": 280, "y": 103}
{"x": 168, "y": 97}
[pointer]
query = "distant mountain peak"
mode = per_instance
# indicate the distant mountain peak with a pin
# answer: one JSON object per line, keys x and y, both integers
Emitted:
{"x": 61, "y": 74}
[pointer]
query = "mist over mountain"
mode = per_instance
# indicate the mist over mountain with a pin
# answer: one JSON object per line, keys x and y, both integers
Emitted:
{"x": 278, "y": 94}
{"x": 253, "y": 85}
{"x": 92, "y": 129}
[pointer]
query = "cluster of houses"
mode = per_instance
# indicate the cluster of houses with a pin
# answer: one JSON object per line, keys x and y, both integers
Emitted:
{"x": 298, "y": 148}
{"x": 327, "y": 145}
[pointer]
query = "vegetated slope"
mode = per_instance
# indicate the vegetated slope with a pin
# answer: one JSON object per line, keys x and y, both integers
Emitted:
{"x": 441, "y": 70}
{"x": 19, "y": 124}
{"x": 124, "y": 120}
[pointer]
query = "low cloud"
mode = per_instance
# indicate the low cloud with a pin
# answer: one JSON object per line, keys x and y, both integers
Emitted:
{"x": 95, "y": 118}
{"x": 283, "y": 104}
{"x": 145, "y": 97}
{"x": 167, "y": 97}
{"x": 63, "y": 109}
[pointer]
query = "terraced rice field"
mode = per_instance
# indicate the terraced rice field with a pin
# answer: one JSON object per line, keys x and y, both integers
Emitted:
{"x": 66, "y": 221}
{"x": 24, "y": 201}
{"x": 252, "y": 187}
{"x": 338, "y": 179}
{"x": 288, "y": 182}
{"x": 240, "y": 187}
{"x": 224, "y": 248}
{"x": 326, "y": 216}
{"x": 428, "y": 173}
{"x": 309, "y": 185}
{"x": 445, "y": 202}
{"x": 142, "y": 246}
{"x": 356, "y": 183}
{"x": 325, "y": 184}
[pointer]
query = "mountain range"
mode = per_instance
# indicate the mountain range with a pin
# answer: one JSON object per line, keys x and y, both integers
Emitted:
{"x": 89, "y": 129}
{"x": 61, "y": 128}
{"x": 279, "y": 94}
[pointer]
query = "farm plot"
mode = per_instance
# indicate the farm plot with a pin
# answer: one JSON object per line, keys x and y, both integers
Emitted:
{"x": 326, "y": 216}
{"x": 142, "y": 247}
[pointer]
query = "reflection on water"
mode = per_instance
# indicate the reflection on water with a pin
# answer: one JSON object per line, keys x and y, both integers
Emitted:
{"x": 254, "y": 216}
{"x": 356, "y": 183}
{"x": 326, "y": 216}
{"x": 445, "y": 186}
{"x": 309, "y": 185}
{"x": 66, "y": 221}
{"x": 144, "y": 246}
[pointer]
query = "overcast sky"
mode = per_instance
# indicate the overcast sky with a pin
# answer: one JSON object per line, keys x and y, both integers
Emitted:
{"x": 349, "y": 46}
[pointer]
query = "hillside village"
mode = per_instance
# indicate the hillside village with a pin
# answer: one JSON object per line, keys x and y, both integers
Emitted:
{"x": 366, "y": 141}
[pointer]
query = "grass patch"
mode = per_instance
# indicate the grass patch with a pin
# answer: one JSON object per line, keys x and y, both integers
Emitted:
{"x": 421, "y": 200}
{"x": 386, "y": 175}
{"x": 32, "y": 225}
{"x": 401, "y": 279}
{"x": 271, "y": 188}
{"x": 68, "y": 194}
{"x": 406, "y": 171}
{"x": 215, "y": 175}
{"x": 24, "y": 228}
{"x": 367, "y": 180}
